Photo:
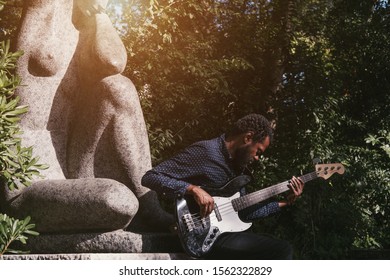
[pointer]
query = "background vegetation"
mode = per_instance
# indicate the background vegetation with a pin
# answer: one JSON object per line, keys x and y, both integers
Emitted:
{"x": 17, "y": 164}
{"x": 318, "y": 69}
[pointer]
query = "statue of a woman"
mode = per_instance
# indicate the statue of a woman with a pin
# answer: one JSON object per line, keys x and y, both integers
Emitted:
{"x": 85, "y": 121}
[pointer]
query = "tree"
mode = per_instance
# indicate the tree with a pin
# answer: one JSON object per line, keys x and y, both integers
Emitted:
{"x": 185, "y": 54}
{"x": 333, "y": 105}
{"x": 10, "y": 14}
{"x": 318, "y": 68}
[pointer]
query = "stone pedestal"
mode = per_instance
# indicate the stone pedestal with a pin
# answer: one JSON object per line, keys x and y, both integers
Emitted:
{"x": 125, "y": 256}
{"x": 105, "y": 242}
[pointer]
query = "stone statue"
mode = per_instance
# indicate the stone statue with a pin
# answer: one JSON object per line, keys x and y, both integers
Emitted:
{"x": 84, "y": 120}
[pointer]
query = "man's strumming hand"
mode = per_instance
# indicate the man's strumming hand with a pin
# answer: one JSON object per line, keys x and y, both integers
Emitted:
{"x": 204, "y": 200}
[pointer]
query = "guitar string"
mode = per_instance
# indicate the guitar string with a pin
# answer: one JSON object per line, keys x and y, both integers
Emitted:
{"x": 262, "y": 194}
{"x": 227, "y": 207}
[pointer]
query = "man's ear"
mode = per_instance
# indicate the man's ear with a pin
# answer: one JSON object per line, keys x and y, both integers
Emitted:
{"x": 248, "y": 137}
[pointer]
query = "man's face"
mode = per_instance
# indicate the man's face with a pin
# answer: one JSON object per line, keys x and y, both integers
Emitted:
{"x": 249, "y": 152}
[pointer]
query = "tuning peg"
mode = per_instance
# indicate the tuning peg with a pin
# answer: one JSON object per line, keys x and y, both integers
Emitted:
{"x": 316, "y": 161}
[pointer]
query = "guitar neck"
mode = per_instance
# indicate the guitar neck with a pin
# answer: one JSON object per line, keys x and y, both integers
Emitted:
{"x": 248, "y": 200}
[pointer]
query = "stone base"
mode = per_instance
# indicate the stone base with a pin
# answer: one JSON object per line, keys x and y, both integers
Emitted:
{"x": 133, "y": 256}
{"x": 106, "y": 242}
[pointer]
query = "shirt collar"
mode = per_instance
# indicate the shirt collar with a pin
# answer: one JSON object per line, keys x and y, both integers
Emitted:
{"x": 225, "y": 151}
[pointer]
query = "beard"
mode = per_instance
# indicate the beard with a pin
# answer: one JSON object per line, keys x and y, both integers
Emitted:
{"x": 242, "y": 158}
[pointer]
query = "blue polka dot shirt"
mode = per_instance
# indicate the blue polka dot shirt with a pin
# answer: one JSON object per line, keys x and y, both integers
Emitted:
{"x": 205, "y": 163}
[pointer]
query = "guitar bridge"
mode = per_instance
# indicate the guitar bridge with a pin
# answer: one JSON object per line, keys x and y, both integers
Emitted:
{"x": 188, "y": 221}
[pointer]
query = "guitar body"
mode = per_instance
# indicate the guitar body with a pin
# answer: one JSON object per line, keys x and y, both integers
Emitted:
{"x": 198, "y": 234}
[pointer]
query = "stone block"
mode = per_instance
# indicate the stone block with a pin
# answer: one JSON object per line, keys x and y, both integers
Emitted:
{"x": 75, "y": 205}
{"x": 105, "y": 242}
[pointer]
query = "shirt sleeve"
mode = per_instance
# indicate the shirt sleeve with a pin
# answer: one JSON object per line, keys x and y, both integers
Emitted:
{"x": 173, "y": 176}
{"x": 164, "y": 184}
{"x": 259, "y": 211}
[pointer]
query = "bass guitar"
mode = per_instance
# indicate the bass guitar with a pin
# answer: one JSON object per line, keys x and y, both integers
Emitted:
{"x": 198, "y": 235}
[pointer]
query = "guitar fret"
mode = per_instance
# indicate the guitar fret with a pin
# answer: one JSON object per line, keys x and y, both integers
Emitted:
{"x": 245, "y": 201}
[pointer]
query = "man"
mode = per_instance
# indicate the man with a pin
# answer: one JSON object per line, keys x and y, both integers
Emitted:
{"x": 213, "y": 163}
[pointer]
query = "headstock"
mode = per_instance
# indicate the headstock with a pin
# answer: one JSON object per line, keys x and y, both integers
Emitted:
{"x": 327, "y": 170}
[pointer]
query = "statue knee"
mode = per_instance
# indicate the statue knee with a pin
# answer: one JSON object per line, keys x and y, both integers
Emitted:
{"x": 75, "y": 205}
{"x": 121, "y": 93}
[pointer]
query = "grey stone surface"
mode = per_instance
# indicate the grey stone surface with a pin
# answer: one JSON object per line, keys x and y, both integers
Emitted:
{"x": 76, "y": 205}
{"x": 104, "y": 242}
{"x": 124, "y": 256}
{"x": 85, "y": 121}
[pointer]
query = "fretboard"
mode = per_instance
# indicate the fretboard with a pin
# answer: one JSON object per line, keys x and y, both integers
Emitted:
{"x": 248, "y": 200}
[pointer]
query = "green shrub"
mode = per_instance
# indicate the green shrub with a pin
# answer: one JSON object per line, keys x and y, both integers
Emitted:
{"x": 14, "y": 230}
{"x": 17, "y": 164}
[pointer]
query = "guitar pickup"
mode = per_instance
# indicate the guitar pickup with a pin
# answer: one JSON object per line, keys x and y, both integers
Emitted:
{"x": 217, "y": 214}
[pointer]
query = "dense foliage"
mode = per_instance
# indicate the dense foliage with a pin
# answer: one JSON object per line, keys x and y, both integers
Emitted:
{"x": 10, "y": 13}
{"x": 335, "y": 105}
{"x": 318, "y": 69}
{"x": 17, "y": 165}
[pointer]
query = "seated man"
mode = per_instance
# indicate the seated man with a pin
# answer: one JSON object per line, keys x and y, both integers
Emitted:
{"x": 212, "y": 164}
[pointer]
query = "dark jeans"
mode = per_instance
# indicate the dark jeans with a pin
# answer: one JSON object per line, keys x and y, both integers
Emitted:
{"x": 250, "y": 246}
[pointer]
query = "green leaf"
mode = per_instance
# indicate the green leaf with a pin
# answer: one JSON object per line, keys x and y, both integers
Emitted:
{"x": 14, "y": 227}
{"x": 26, "y": 221}
{"x": 12, "y": 251}
{"x": 31, "y": 232}
{"x": 2, "y": 230}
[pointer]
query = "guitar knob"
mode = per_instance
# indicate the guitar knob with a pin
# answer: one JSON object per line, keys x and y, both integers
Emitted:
{"x": 212, "y": 235}
{"x": 215, "y": 230}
